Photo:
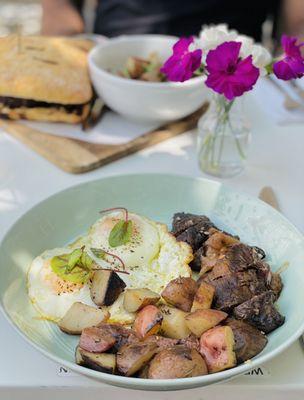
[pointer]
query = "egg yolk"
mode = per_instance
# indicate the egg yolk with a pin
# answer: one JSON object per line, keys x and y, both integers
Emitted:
{"x": 55, "y": 283}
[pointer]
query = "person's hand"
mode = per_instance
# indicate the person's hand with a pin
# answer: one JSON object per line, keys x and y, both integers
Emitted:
{"x": 60, "y": 18}
{"x": 293, "y": 15}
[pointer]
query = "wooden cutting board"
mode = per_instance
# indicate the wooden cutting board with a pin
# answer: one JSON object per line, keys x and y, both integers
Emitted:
{"x": 77, "y": 156}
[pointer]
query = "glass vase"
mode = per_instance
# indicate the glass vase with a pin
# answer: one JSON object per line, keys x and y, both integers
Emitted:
{"x": 223, "y": 137}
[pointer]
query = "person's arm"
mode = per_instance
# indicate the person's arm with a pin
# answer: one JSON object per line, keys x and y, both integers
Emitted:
{"x": 60, "y": 17}
{"x": 293, "y": 14}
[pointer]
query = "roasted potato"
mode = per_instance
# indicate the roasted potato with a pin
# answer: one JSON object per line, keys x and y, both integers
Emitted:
{"x": 96, "y": 340}
{"x": 135, "y": 299}
{"x": 106, "y": 287}
{"x": 174, "y": 324}
{"x": 100, "y": 362}
{"x": 177, "y": 362}
{"x": 203, "y": 297}
{"x": 249, "y": 341}
{"x": 180, "y": 293}
{"x": 133, "y": 357}
{"x": 201, "y": 320}
{"x": 217, "y": 348}
{"x": 148, "y": 321}
{"x": 81, "y": 316}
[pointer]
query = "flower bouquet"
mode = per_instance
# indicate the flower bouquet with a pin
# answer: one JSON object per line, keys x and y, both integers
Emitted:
{"x": 232, "y": 64}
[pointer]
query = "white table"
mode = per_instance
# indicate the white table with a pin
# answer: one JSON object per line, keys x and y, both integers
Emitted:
{"x": 276, "y": 159}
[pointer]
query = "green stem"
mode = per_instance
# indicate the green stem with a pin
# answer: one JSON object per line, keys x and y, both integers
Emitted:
{"x": 238, "y": 144}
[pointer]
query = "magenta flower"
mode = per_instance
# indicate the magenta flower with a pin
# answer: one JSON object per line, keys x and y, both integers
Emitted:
{"x": 228, "y": 74}
{"x": 181, "y": 65}
{"x": 292, "y": 64}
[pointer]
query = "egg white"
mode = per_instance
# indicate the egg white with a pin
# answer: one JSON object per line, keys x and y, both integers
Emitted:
{"x": 50, "y": 301}
{"x": 153, "y": 257}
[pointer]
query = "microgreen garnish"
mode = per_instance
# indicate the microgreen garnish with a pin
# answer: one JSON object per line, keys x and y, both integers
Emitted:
{"x": 121, "y": 232}
{"x": 74, "y": 267}
{"x": 78, "y": 266}
{"x": 100, "y": 253}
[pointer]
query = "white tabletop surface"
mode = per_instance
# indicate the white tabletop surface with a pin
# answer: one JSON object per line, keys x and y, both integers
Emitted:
{"x": 276, "y": 159}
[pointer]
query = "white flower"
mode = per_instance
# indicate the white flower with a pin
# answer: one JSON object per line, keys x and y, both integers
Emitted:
{"x": 260, "y": 55}
{"x": 260, "y": 58}
{"x": 213, "y": 35}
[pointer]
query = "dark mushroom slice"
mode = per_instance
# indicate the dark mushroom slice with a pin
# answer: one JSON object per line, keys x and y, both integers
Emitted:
{"x": 249, "y": 341}
{"x": 260, "y": 312}
{"x": 106, "y": 287}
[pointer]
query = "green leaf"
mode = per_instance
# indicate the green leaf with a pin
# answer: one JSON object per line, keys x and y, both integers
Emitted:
{"x": 121, "y": 233}
{"x": 99, "y": 253}
{"x": 75, "y": 267}
{"x": 269, "y": 68}
{"x": 74, "y": 258}
{"x": 86, "y": 261}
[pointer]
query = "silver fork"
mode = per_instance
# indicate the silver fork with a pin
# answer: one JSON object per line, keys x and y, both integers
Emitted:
{"x": 289, "y": 103}
{"x": 268, "y": 196}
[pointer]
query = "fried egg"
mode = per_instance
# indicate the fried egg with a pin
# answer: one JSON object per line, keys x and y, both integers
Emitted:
{"x": 153, "y": 257}
{"x": 49, "y": 294}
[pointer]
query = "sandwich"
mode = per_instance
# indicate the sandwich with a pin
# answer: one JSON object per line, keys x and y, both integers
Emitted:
{"x": 44, "y": 79}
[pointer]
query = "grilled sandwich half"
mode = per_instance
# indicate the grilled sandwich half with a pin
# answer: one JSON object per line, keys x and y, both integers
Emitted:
{"x": 44, "y": 79}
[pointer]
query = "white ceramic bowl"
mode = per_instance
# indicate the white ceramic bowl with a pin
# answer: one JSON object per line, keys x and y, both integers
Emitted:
{"x": 139, "y": 100}
{"x": 66, "y": 215}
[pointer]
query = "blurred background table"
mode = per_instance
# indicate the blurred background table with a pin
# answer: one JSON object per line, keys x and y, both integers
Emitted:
{"x": 276, "y": 159}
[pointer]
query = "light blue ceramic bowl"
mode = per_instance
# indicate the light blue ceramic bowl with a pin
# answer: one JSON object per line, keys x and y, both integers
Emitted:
{"x": 64, "y": 216}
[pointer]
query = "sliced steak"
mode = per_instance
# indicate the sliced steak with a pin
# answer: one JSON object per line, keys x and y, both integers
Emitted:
{"x": 260, "y": 312}
{"x": 249, "y": 341}
{"x": 192, "y": 229}
{"x": 234, "y": 289}
{"x": 276, "y": 284}
{"x": 215, "y": 248}
{"x": 182, "y": 221}
{"x": 237, "y": 275}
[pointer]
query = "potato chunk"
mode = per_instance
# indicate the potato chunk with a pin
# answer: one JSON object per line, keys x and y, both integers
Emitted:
{"x": 177, "y": 362}
{"x": 106, "y": 287}
{"x": 133, "y": 357}
{"x": 174, "y": 324}
{"x": 216, "y": 346}
{"x": 203, "y": 297}
{"x": 100, "y": 362}
{"x": 148, "y": 321}
{"x": 201, "y": 320}
{"x": 96, "y": 340}
{"x": 81, "y": 316}
{"x": 135, "y": 299}
{"x": 180, "y": 293}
